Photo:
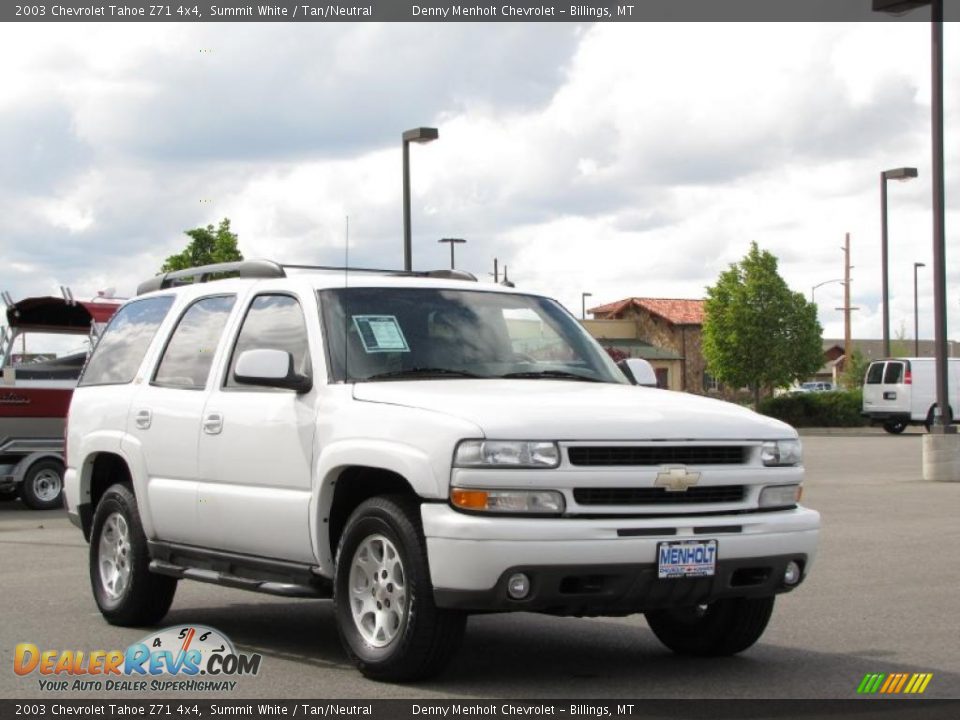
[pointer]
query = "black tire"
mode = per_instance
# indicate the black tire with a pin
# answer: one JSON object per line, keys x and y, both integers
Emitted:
{"x": 9, "y": 495}
{"x": 143, "y": 598}
{"x": 895, "y": 427}
{"x": 928, "y": 423}
{"x": 42, "y": 486}
{"x": 724, "y": 627}
{"x": 424, "y": 637}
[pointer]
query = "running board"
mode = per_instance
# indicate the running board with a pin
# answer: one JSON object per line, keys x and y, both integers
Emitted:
{"x": 162, "y": 567}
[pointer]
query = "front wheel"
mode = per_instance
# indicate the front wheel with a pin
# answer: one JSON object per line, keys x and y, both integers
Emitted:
{"x": 724, "y": 627}
{"x": 42, "y": 486}
{"x": 895, "y": 427}
{"x": 126, "y": 592}
{"x": 383, "y": 599}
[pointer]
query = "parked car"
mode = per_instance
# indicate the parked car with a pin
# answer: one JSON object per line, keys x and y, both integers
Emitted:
{"x": 899, "y": 392}
{"x": 42, "y": 351}
{"x": 815, "y": 386}
{"x": 419, "y": 447}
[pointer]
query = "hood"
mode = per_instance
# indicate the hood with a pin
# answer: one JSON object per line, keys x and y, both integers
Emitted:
{"x": 562, "y": 410}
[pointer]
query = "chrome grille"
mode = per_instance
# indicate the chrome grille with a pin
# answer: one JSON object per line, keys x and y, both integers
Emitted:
{"x": 659, "y": 496}
{"x": 658, "y": 455}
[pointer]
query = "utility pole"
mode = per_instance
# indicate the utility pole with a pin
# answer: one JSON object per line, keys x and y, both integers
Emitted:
{"x": 496, "y": 273}
{"x": 847, "y": 339}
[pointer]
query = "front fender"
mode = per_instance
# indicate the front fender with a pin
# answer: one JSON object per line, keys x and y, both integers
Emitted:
{"x": 410, "y": 463}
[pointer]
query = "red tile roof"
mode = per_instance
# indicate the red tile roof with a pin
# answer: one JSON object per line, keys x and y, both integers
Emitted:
{"x": 678, "y": 312}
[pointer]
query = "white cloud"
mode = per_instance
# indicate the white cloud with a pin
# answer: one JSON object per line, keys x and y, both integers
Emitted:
{"x": 630, "y": 159}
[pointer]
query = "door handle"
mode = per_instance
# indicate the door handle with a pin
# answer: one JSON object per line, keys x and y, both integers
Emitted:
{"x": 213, "y": 423}
{"x": 143, "y": 419}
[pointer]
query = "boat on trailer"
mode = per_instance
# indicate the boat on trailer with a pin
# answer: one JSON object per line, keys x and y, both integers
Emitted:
{"x": 43, "y": 348}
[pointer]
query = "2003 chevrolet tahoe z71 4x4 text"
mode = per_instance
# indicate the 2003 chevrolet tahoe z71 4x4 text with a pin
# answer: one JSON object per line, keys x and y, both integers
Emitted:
{"x": 418, "y": 447}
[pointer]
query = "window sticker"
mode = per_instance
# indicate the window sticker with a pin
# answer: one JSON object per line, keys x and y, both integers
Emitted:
{"x": 380, "y": 333}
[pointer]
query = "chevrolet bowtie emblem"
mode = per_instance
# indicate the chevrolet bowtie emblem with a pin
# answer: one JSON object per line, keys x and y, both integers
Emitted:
{"x": 676, "y": 479}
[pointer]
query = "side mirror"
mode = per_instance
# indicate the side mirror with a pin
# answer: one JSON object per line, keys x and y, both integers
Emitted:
{"x": 270, "y": 368}
{"x": 639, "y": 372}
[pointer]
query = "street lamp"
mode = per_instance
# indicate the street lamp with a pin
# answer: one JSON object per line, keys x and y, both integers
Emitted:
{"x": 916, "y": 319}
{"x": 897, "y": 174}
{"x": 583, "y": 304}
{"x": 941, "y": 425}
{"x": 825, "y": 282}
{"x": 418, "y": 135}
{"x": 452, "y": 241}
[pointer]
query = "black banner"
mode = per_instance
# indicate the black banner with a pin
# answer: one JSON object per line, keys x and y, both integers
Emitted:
{"x": 581, "y": 11}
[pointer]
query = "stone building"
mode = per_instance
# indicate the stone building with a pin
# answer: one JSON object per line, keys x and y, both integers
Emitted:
{"x": 667, "y": 332}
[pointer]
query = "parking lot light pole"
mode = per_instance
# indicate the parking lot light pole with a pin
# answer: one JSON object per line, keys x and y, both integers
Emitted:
{"x": 916, "y": 317}
{"x": 452, "y": 241}
{"x": 418, "y": 135}
{"x": 583, "y": 304}
{"x": 897, "y": 174}
{"x": 941, "y": 447}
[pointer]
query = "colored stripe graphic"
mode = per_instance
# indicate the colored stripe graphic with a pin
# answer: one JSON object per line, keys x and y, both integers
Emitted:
{"x": 894, "y": 683}
{"x": 870, "y": 683}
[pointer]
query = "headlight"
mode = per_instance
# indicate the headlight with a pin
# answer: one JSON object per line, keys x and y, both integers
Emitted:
{"x": 781, "y": 452}
{"x": 780, "y": 496}
{"x": 539, "y": 502}
{"x": 506, "y": 453}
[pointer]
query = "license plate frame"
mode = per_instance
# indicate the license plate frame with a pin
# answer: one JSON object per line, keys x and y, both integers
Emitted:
{"x": 690, "y": 564}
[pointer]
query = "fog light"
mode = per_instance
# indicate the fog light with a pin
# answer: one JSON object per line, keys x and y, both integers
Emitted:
{"x": 518, "y": 586}
{"x": 792, "y": 575}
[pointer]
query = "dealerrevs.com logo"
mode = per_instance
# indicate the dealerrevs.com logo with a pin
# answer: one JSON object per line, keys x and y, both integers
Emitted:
{"x": 180, "y": 658}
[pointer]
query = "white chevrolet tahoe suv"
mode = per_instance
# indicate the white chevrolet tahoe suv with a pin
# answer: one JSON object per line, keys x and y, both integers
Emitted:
{"x": 418, "y": 447}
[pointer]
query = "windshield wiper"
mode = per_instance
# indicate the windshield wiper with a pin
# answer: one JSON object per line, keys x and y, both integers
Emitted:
{"x": 550, "y": 375}
{"x": 421, "y": 372}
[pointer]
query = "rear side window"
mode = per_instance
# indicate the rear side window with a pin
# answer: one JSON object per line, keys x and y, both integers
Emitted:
{"x": 125, "y": 341}
{"x": 188, "y": 356}
{"x": 893, "y": 374}
{"x": 273, "y": 322}
{"x": 875, "y": 374}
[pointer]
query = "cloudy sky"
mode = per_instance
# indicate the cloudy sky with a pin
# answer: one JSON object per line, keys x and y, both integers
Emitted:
{"x": 616, "y": 159}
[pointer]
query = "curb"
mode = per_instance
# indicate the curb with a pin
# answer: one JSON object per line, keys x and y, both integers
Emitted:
{"x": 855, "y": 431}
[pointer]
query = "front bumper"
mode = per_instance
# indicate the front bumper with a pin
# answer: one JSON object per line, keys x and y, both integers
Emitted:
{"x": 608, "y": 566}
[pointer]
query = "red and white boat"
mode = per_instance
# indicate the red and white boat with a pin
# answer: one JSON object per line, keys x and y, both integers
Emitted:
{"x": 43, "y": 348}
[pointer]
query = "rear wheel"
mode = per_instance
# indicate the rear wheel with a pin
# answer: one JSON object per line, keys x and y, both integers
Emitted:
{"x": 895, "y": 427}
{"x": 126, "y": 592}
{"x": 42, "y": 486}
{"x": 383, "y": 599}
{"x": 724, "y": 627}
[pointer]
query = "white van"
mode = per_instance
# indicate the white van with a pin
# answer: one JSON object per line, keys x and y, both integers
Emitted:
{"x": 902, "y": 391}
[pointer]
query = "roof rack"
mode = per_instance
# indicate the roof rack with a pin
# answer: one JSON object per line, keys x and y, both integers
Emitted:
{"x": 204, "y": 273}
{"x": 438, "y": 274}
{"x": 271, "y": 269}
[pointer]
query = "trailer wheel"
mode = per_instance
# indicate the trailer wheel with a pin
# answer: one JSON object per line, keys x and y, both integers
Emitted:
{"x": 42, "y": 486}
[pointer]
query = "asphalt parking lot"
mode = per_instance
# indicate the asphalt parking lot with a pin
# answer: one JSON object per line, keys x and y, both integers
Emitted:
{"x": 882, "y": 597}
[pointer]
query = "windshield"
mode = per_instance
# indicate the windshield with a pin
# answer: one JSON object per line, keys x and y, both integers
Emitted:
{"x": 41, "y": 355}
{"x": 381, "y": 333}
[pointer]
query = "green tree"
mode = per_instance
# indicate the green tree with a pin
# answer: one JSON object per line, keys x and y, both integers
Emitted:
{"x": 900, "y": 346}
{"x": 207, "y": 246}
{"x": 854, "y": 370}
{"x": 758, "y": 333}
